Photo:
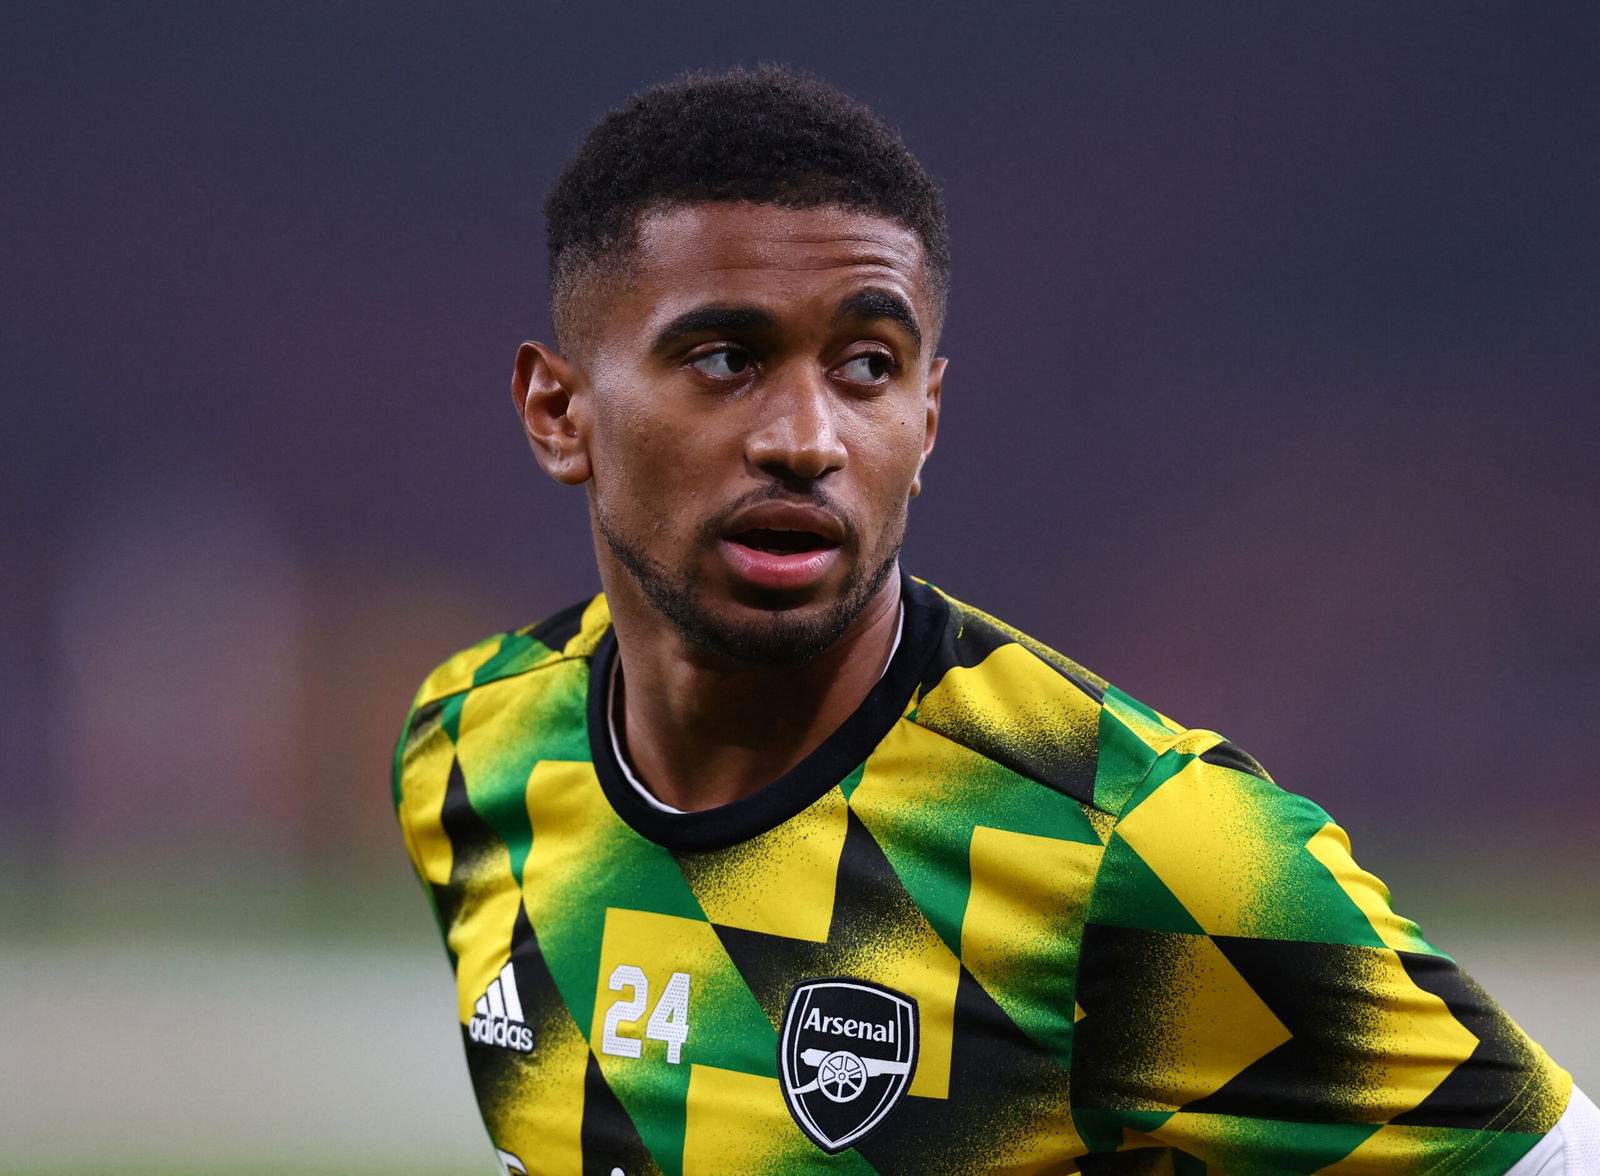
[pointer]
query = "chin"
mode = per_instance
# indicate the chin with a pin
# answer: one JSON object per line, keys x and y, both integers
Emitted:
{"x": 768, "y": 636}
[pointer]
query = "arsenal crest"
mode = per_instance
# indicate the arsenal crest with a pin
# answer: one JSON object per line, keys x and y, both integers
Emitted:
{"x": 846, "y": 1054}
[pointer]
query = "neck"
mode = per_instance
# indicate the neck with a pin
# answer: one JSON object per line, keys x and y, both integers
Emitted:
{"x": 702, "y": 731}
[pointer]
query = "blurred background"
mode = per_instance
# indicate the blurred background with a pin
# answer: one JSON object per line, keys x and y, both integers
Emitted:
{"x": 1274, "y": 345}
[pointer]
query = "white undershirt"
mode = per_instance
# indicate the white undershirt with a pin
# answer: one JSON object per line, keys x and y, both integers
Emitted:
{"x": 611, "y": 715}
{"x": 1572, "y": 1148}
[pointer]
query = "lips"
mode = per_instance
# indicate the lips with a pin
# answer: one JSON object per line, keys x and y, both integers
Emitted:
{"x": 781, "y": 546}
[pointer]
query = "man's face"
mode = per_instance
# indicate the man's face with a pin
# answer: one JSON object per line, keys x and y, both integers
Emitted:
{"x": 755, "y": 404}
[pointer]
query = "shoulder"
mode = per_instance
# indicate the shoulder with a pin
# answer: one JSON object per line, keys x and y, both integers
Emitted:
{"x": 1015, "y": 700}
{"x": 571, "y": 633}
{"x": 519, "y": 666}
{"x": 1190, "y": 822}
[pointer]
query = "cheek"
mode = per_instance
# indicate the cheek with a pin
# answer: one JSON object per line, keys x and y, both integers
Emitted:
{"x": 892, "y": 463}
{"x": 627, "y": 441}
{"x": 886, "y": 474}
{"x": 650, "y": 470}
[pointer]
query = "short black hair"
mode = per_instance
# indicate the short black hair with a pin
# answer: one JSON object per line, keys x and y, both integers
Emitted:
{"x": 771, "y": 135}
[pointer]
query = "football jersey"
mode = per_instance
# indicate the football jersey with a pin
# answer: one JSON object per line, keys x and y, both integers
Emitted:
{"x": 1005, "y": 919}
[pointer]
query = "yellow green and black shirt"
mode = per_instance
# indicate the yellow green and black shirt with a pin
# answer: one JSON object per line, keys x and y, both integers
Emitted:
{"x": 1005, "y": 920}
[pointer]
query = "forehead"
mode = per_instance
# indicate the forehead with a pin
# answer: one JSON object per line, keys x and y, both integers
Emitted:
{"x": 769, "y": 256}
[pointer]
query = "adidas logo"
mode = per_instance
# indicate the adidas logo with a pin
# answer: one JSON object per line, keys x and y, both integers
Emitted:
{"x": 498, "y": 1019}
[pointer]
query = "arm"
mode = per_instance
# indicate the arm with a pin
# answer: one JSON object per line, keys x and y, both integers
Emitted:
{"x": 1250, "y": 998}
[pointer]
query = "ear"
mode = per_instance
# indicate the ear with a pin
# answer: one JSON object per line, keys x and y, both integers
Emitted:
{"x": 549, "y": 393}
{"x": 935, "y": 387}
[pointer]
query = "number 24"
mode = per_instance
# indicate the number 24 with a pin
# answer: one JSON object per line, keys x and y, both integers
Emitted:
{"x": 669, "y": 1022}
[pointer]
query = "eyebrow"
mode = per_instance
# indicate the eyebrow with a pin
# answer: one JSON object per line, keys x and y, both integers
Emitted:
{"x": 714, "y": 320}
{"x": 863, "y": 304}
{"x": 881, "y": 304}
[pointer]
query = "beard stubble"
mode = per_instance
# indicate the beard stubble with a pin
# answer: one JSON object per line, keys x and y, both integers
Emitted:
{"x": 782, "y": 635}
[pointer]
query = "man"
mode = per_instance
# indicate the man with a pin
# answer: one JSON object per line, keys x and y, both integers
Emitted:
{"x": 772, "y": 859}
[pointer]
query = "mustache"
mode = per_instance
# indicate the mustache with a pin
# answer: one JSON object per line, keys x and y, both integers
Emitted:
{"x": 815, "y": 496}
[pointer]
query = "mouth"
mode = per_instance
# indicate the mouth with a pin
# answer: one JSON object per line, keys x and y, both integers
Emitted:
{"x": 782, "y": 546}
{"x": 781, "y": 540}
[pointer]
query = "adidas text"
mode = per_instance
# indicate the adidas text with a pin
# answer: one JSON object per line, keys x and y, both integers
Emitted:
{"x": 499, "y": 1031}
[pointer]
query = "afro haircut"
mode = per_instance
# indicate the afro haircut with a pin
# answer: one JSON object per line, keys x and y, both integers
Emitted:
{"x": 770, "y": 135}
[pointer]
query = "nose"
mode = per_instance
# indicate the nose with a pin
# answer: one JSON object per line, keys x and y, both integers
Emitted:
{"x": 796, "y": 436}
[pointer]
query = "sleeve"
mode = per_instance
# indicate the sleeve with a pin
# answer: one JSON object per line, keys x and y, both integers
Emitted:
{"x": 425, "y": 753}
{"x": 1250, "y": 999}
{"x": 422, "y": 760}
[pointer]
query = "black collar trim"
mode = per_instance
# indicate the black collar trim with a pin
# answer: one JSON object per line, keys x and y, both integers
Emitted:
{"x": 840, "y": 754}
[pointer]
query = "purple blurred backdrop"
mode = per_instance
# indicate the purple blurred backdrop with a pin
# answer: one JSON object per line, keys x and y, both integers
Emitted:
{"x": 1274, "y": 345}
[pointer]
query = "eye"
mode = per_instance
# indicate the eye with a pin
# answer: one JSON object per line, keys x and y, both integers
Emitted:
{"x": 871, "y": 368}
{"x": 725, "y": 363}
